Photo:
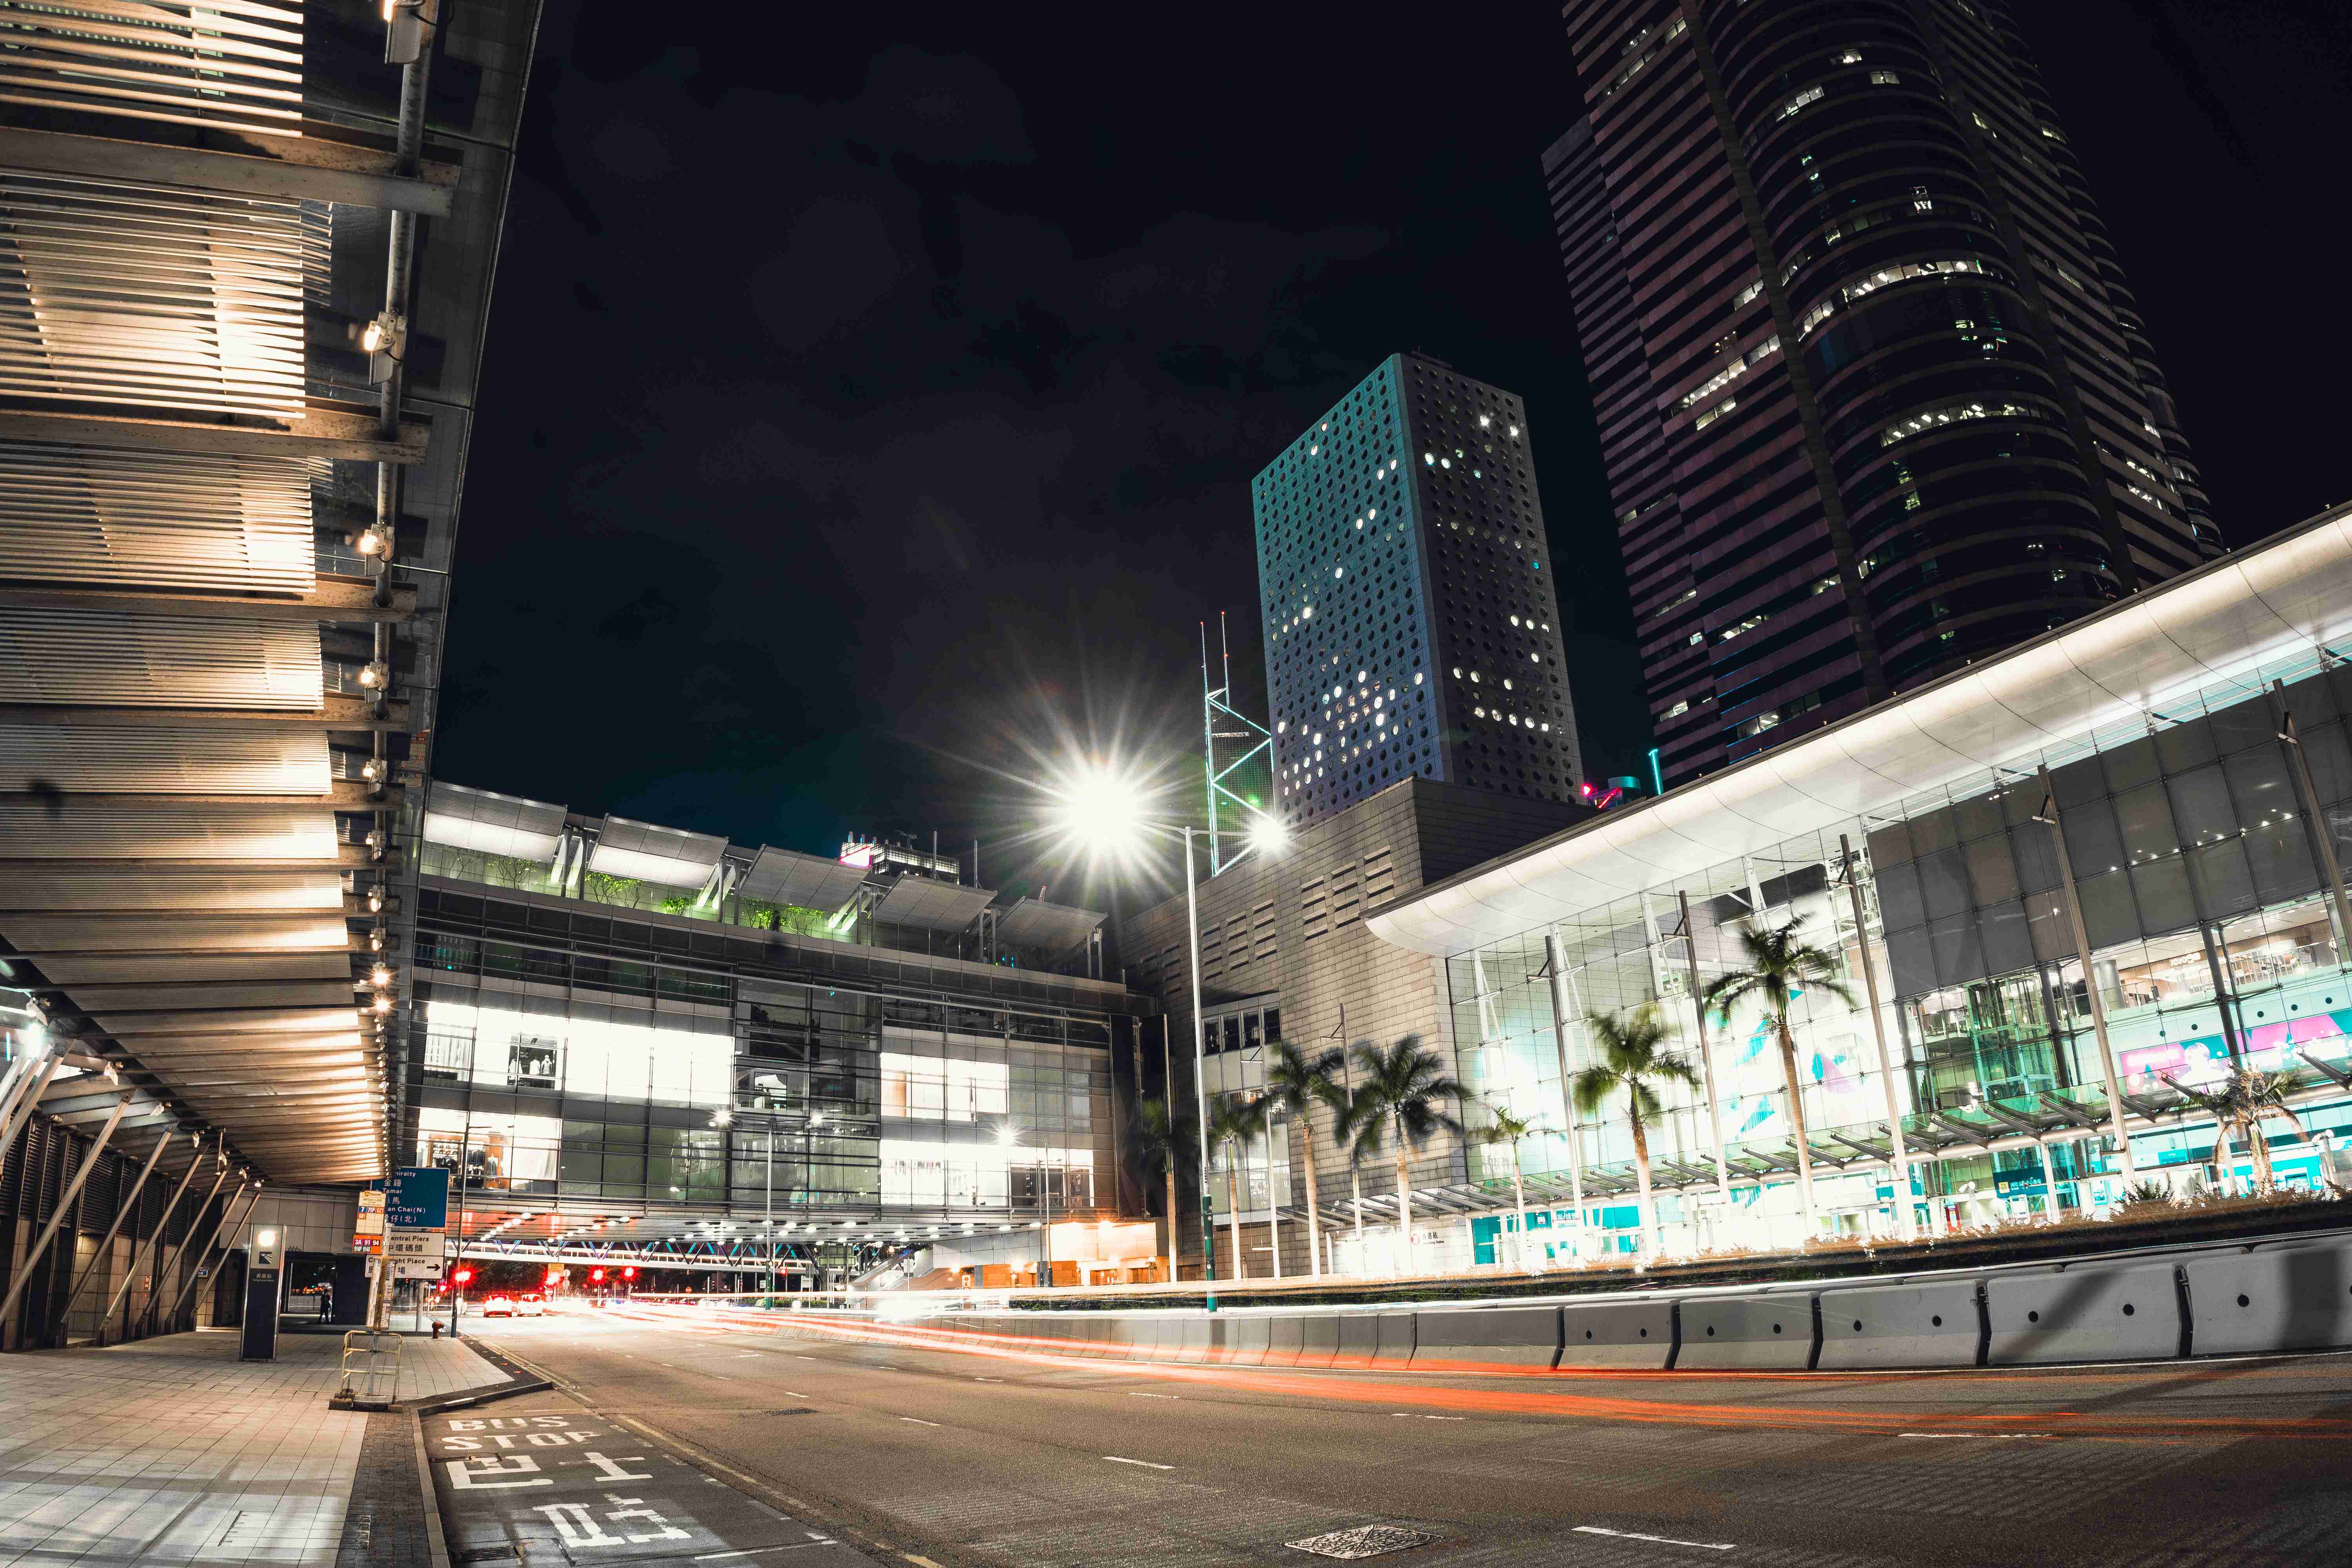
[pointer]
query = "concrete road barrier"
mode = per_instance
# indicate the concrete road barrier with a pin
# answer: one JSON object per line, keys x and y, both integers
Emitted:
{"x": 1930, "y": 1323}
{"x": 1616, "y": 1334}
{"x": 1359, "y": 1339}
{"x": 1318, "y": 1342}
{"x": 1773, "y": 1331}
{"x": 1247, "y": 1340}
{"x": 1393, "y": 1343}
{"x": 2087, "y": 1312}
{"x": 1469, "y": 1341}
{"x": 1190, "y": 1343}
{"x": 1283, "y": 1339}
{"x": 2270, "y": 1299}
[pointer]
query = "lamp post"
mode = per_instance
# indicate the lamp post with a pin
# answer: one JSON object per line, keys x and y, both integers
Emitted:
{"x": 1107, "y": 814}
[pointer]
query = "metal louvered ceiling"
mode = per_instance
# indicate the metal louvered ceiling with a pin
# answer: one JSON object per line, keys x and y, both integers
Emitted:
{"x": 191, "y": 854}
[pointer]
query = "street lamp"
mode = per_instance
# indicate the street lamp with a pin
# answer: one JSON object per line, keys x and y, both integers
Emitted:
{"x": 1107, "y": 814}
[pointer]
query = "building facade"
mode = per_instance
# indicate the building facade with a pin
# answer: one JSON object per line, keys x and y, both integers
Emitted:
{"x": 1412, "y": 629}
{"x": 1286, "y": 957}
{"x": 1873, "y": 396}
{"x": 628, "y": 1031}
{"x": 2192, "y": 747}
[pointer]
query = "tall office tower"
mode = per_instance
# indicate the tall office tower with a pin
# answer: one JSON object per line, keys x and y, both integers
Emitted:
{"x": 1410, "y": 624}
{"x": 1873, "y": 397}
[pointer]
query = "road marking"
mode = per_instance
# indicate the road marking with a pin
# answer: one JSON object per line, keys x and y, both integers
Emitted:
{"x": 756, "y": 1551}
{"x": 1132, "y": 1393}
{"x": 988, "y": 1380}
{"x": 919, "y": 1420}
{"x": 1987, "y": 1437}
{"x": 795, "y": 1394}
{"x": 1147, "y": 1463}
{"x": 797, "y": 1356}
{"x": 1660, "y": 1539}
{"x": 1410, "y": 1414}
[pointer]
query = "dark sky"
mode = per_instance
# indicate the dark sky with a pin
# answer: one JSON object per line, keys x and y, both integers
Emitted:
{"x": 871, "y": 412}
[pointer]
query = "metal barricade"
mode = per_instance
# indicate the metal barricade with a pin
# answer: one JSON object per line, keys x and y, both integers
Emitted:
{"x": 371, "y": 1367}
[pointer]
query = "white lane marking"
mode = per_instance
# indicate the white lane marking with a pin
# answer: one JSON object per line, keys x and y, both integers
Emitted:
{"x": 1409, "y": 1414}
{"x": 919, "y": 1420}
{"x": 795, "y": 1394}
{"x": 746, "y": 1355}
{"x": 1133, "y": 1394}
{"x": 1986, "y": 1436}
{"x": 757, "y": 1551}
{"x": 797, "y": 1356}
{"x": 988, "y": 1380}
{"x": 1660, "y": 1539}
{"x": 1147, "y": 1463}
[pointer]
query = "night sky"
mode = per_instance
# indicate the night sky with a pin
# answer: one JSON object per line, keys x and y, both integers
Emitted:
{"x": 870, "y": 413}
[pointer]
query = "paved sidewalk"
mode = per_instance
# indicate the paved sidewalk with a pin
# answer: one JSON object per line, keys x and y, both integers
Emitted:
{"x": 171, "y": 1450}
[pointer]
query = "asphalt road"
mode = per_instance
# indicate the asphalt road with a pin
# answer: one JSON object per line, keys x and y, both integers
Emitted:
{"x": 956, "y": 1458}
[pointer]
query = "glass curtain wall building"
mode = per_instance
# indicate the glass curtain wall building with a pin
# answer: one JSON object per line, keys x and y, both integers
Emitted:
{"x": 2198, "y": 749}
{"x": 672, "y": 1053}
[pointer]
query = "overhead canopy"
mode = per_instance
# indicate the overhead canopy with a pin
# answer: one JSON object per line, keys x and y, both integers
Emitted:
{"x": 2217, "y": 625}
{"x": 810, "y": 881}
{"x": 1054, "y": 927}
{"x": 494, "y": 823}
{"x": 926, "y": 905}
{"x": 644, "y": 852}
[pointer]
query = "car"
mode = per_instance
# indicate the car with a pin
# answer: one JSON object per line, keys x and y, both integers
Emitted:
{"x": 533, "y": 1305}
{"x": 499, "y": 1307}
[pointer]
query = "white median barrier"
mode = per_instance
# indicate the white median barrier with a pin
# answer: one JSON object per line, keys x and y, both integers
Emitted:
{"x": 1930, "y": 1323}
{"x": 1474, "y": 1341}
{"x": 2281, "y": 1297}
{"x": 1616, "y": 1334}
{"x": 1772, "y": 1331}
{"x": 2084, "y": 1311}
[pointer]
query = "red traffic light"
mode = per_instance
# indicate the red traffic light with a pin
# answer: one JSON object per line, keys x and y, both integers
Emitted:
{"x": 630, "y": 1272}
{"x": 463, "y": 1275}
{"x": 596, "y": 1276}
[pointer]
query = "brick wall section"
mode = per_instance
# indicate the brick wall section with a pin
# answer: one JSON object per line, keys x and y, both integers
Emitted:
{"x": 1316, "y": 895}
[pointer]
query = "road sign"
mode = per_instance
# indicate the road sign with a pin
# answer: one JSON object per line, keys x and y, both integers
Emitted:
{"x": 367, "y": 1231}
{"x": 417, "y": 1247}
{"x": 417, "y": 1199}
{"x": 405, "y": 1271}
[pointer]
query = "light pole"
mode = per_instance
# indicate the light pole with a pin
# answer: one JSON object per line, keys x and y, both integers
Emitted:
{"x": 1107, "y": 814}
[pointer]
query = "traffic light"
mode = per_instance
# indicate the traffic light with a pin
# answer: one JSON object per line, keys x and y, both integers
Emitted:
{"x": 596, "y": 1277}
{"x": 463, "y": 1276}
{"x": 555, "y": 1277}
{"x": 630, "y": 1272}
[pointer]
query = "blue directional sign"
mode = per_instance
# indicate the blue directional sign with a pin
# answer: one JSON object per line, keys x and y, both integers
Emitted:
{"x": 417, "y": 1198}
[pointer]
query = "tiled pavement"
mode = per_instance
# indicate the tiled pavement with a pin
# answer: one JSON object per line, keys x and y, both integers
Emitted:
{"x": 171, "y": 1450}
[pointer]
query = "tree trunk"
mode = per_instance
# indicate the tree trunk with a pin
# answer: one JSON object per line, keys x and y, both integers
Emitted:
{"x": 1404, "y": 1202}
{"x": 2258, "y": 1144}
{"x": 1233, "y": 1204}
{"x": 1520, "y": 1197}
{"x": 1654, "y": 1236}
{"x": 1313, "y": 1214}
{"x": 1797, "y": 1120}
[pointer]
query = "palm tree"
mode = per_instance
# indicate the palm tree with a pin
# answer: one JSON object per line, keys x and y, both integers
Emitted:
{"x": 1780, "y": 964}
{"x": 1404, "y": 1093}
{"x": 1233, "y": 1125}
{"x": 1632, "y": 1058}
{"x": 1163, "y": 1141}
{"x": 2238, "y": 1106}
{"x": 1295, "y": 1083}
{"x": 1502, "y": 1127}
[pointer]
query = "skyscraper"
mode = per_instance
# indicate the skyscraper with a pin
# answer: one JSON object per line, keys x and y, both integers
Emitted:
{"x": 1873, "y": 395}
{"x": 1410, "y": 624}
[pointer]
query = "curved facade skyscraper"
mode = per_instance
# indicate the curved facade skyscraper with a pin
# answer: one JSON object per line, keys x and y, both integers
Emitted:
{"x": 1874, "y": 395}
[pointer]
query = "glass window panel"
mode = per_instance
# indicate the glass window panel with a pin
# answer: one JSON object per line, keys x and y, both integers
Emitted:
{"x": 1943, "y": 883}
{"x": 2185, "y": 746}
{"x": 2201, "y": 808}
{"x": 2245, "y": 725}
{"x": 1900, "y": 904}
{"x": 2108, "y": 910}
{"x": 1958, "y": 950}
{"x": 1274, "y": 1024}
{"x": 2145, "y": 816}
{"x": 2225, "y": 886}
{"x": 1992, "y": 873}
{"x": 2035, "y": 855}
{"x": 2131, "y": 764}
{"x": 2166, "y": 903}
{"x": 2007, "y": 946}
{"x": 1934, "y": 830}
{"x": 2077, "y": 785}
{"x": 2092, "y": 840}
{"x": 1889, "y": 846}
{"x": 2054, "y": 937}
{"x": 1979, "y": 816}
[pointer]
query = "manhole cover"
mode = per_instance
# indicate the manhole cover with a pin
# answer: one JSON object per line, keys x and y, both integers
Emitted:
{"x": 1364, "y": 1541}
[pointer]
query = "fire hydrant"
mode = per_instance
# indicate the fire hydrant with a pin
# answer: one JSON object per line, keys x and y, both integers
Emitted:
{"x": 436, "y": 1328}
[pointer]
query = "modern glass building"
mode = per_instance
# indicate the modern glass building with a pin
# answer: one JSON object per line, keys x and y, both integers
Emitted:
{"x": 2192, "y": 748}
{"x": 1874, "y": 394}
{"x": 628, "y": 1031}
{"x": 1412, "y": 629}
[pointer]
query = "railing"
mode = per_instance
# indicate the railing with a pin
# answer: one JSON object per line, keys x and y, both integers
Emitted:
{"x": 377, "y": 1366}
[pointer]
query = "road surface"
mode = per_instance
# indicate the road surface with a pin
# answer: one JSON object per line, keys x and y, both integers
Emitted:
{"x": 907, "y": 1452}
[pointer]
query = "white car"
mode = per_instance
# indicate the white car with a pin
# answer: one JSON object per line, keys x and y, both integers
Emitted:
{"x": 499, "y": 1307}
{"x": 533, "y": 1305}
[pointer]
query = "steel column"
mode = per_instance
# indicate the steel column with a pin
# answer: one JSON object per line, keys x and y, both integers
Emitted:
{"x": 146, "y": 1250}
{"x": 65, "y": 1205}
{"x": 106, "y": 1241}
{"x": 1556, "y": 967}
{"x": 168, "y": 1256}
{"x": 1705, "y": 1056}
{"x": 2048, "y": 817}
{"x": 1906, "y": 1222}
{"x": 2323, "y": 836}
{"x": 29, "y": 1099}
{"x": 204, "y": 1255}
